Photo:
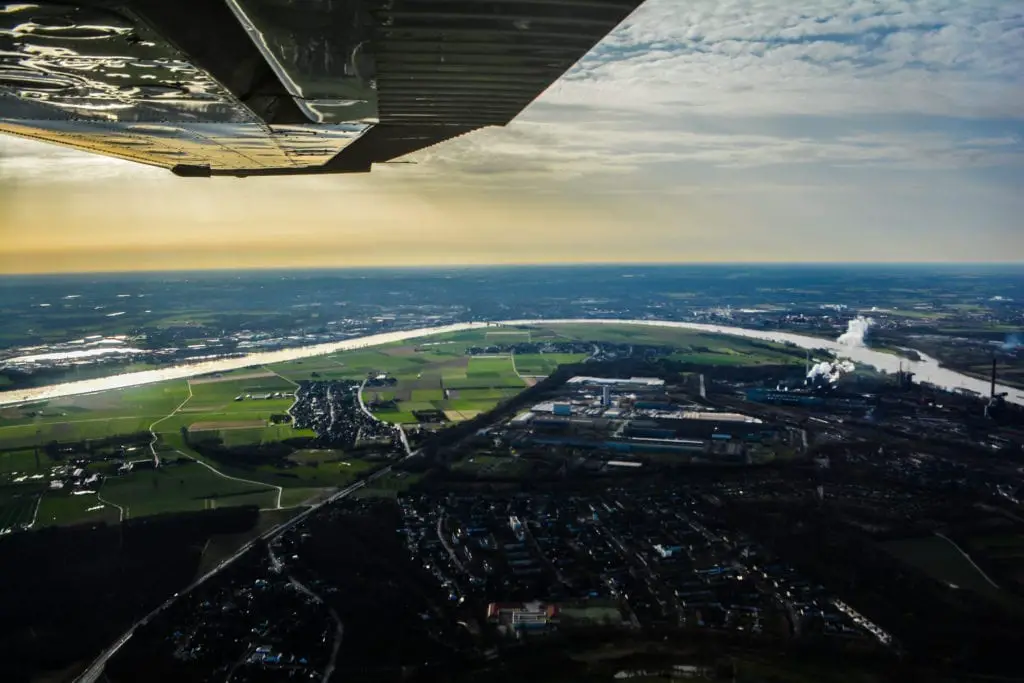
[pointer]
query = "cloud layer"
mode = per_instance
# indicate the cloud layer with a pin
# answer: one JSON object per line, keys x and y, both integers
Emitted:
{"x": 932, "y": 85}
{"x": 893, "y": 127}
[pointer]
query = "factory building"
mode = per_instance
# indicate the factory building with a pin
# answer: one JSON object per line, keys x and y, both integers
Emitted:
{"x": 522, "y": 615}
{"x": 621, "y": 383}
{"x": 832, "y": 400}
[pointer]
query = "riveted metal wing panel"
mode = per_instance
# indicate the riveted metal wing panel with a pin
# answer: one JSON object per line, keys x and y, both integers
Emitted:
{"x": 268, "y": 87}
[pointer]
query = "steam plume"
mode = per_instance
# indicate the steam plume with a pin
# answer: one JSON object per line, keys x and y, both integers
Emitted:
{"x": 829, "y": 371}
{"x": 856, "y": 331}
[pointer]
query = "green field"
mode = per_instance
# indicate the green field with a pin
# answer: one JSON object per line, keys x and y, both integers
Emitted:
{"x": 356, "y": 364}
{"x": 92, "y": 416}
{"x": 435, "y": 374}
{"x": 432, "y": 373}
{"x": 181, "y": 487}
{"x": 940, "y": 559}
{"x": 544, "y": 363}
{"x": 61, "y": 509}
{"x": 299, "y": 496}
{"x": 306, "y": 472}
{"x": 694, "y": 347}
{"x": 18, "y": 504}
{"x": 506, "y": 336}
{"x": 220, "y": 396}
{"x": 390, "y": 485}
{"x": 25, "y": 461}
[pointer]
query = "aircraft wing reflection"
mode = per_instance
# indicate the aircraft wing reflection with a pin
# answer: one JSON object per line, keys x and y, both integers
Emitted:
{"x": 281, "y": 87}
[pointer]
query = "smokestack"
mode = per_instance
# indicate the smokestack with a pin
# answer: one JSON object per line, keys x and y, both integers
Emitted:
{"x": 992, "y": 394}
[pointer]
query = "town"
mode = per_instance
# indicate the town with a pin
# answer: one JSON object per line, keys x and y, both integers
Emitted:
{"x": 615, "y": 505}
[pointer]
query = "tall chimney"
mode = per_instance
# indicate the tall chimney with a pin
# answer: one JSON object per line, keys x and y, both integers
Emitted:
{"x": 993, "y": 391}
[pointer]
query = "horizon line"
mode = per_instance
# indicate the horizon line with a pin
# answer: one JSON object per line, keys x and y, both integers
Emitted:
{"x": 508, "y": 266}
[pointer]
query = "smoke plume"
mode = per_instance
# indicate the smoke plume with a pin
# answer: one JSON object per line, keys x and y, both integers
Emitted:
{"x": 856, "y": 331}
{"x": 828, "y": 371}
{"x": 1012, "y": 343}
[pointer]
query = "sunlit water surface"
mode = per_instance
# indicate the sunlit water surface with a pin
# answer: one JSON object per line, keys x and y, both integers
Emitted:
{"x": 926, "y": 370}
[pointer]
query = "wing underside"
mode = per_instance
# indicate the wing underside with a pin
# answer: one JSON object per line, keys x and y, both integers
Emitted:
{"x": 279, "y": 87}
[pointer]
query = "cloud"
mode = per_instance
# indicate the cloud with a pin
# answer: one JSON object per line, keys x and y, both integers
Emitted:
{"x": 752, "y": 124}
{"x": 27, "y": 161}
{"x": 932, "y": 85}
{"x": 836, "y": 57}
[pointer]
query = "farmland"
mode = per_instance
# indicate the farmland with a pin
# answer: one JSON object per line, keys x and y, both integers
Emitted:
{"x": 459, "y": 386}
{"x": 181, "y": 486}
{"x": 693, "y": 347}
{"x": 62, "y": 509}
{"x": 435, "y": 373}
{"x": 238, "y": 422}
{"x": 93, "y": 416}
{"x": 232, "y": 403}
{"x": 544, "y": 363}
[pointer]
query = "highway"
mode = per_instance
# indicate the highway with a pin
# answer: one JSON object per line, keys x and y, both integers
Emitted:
{"x": 95, "y": 670}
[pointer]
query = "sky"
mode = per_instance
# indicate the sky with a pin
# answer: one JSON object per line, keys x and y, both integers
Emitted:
{"x": 698, "y": 131}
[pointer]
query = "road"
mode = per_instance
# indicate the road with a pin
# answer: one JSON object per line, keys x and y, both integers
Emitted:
{"x": 156, "y": 456}
{"x": 95, "y": 670}
{"x": 442, "y": 536}
{"x": 362, "y": 404}
{"x": 339, "y": 630}
{"x": 396, "y": 427}
{"x": 213, "y": 469}
{"x": 152, "y": 427}
{"x": 967, "y": 557}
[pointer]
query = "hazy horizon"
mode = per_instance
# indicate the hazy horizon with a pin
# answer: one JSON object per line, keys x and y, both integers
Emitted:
{"x": 698, "y": 132}
{"x": 454, "y": 267}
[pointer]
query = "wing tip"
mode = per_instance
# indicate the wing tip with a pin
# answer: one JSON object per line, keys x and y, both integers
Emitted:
{"x": 192, "y": 170}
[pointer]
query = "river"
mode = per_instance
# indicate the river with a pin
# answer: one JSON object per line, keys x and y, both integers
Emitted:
{"x": 926, "y": 370}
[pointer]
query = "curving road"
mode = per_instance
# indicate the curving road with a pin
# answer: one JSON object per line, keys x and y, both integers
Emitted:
{"x": 95, "y": 670}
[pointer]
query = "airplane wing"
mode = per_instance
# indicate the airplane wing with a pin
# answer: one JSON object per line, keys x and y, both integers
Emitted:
{"x": 281, "y": 87}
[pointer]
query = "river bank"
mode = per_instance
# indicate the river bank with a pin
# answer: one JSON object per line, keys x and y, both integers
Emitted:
{"x": 927, "y": 369}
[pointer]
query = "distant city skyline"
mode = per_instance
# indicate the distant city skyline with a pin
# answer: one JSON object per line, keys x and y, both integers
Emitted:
{"x": 732, "y": 131}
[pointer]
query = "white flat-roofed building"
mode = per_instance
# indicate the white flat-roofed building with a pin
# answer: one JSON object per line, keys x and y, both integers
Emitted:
{"x": 716, "y": 417}
{"x": 642, "y": 381}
